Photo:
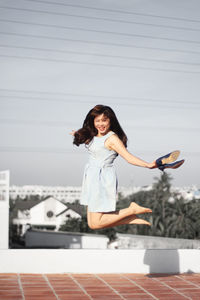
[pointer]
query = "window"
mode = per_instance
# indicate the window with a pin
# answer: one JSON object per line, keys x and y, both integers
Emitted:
{"x": 50, "y": 214}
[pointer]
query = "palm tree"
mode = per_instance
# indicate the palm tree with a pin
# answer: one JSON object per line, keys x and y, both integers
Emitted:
{"x": 161, "y": 195}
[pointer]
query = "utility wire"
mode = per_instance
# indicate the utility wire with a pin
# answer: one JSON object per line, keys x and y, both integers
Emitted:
{"x": 44, "y": 59}
{"x": 38, "y": 150}
{"x": 113, "y": 103}
{"x": 36, "y": 123}
{"x": 98, "y": 55}
{"x": 102, "y": 97}
{"x": 98, "y": 43}
{"x": 117, "y": 11}
{"x": 132, "y": 22}
{"x": 73, "y": 150}
{"x": 104, "y": 19}
{"x": 67, "y": 124}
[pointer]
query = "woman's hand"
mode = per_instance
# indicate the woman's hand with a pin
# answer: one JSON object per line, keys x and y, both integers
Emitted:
{"x": 73, "y": 132}
{"x": 152, "y": 165}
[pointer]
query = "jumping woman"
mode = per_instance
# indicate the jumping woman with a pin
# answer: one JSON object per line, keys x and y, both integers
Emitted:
{"x": 105, "y": 140}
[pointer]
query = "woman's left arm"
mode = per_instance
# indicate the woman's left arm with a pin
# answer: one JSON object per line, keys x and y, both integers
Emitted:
{"x": 114, "y": 143}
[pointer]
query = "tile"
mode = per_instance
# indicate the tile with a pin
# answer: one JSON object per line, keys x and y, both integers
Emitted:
{"x": 41, "y": 298}
{"x": 70, "y": 293}
{"x": 100, "y": 296}
{"x": 96, "y": 293}
{"x": 172, "y": 297}
{"x": 12, "y": 293}
{"x": 38, "y": 293}
{"x": 129, "y": 290}
{"x": 139, "y": 297}
{"x": 57, "y": 289}
{"x": 11, "y": 297}
{"x": 189, "y": 290}
{"x": 71, "y": 297}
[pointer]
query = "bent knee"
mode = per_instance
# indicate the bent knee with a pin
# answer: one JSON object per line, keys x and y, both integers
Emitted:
{"x": 94, "y": 221}
{"x": 93, "y": 226}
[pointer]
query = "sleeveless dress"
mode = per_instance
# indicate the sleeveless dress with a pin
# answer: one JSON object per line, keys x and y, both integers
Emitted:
{"x": 99, "y": 187}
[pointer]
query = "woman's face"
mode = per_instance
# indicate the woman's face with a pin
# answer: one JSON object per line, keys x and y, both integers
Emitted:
{"x": 102, "y": 124}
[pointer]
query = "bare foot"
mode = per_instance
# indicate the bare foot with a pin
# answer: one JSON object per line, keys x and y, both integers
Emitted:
{"x": 137, "y": 221}
{"x": 130, "y": 220}
{"x": 137, "y": 209}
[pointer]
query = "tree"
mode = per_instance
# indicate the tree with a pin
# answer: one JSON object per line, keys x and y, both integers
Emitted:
{"x": 160, "y": 204}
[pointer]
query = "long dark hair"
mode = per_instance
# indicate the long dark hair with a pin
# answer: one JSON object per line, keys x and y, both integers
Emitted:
{"x": 85, "y": 134}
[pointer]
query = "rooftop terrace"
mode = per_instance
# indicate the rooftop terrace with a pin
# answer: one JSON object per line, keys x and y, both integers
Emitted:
{"x": 99, "y": 286}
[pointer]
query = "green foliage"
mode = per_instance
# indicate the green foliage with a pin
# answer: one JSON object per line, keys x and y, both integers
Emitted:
{"x": 179, "y": 219}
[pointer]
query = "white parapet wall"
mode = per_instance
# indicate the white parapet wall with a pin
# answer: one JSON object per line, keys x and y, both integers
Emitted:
{"x": 99, "y": 261}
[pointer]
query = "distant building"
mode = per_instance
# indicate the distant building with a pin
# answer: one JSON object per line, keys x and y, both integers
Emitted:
{"x": 49, "y": 213}
{"x": 65, "y": 194}
{"x": 187, "y": 193}
{"x": 127, "y": 191}
{"x": 4, "y": 208}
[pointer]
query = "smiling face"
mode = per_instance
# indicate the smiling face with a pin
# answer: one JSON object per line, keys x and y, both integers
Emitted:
{"x": 102, "y": 124}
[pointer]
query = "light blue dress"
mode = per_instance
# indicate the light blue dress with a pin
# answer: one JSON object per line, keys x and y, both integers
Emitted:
{"x": 99, "y": 187}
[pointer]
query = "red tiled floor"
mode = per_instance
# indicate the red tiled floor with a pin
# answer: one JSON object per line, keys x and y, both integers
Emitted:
{"x": 99, "y": 286}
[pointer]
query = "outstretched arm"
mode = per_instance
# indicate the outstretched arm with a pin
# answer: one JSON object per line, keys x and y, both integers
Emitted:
{"x": 114, "y": 143}
{"x": 73, "y": 132}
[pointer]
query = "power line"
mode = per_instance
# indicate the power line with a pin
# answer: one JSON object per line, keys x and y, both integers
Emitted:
{"x": 102, "y": 97}
{"x": 117, "y": 11}
{"x": 114, "y": 103}
{"x": 100, "y": 43}
{"x": 95, "y": 18}
{"x": 82, "y": 29}
{"x": 38, "y": 150}
{"x": 36, "y": 123}
{"x": 44, "y": 59}
{"x": 98, "y": 55}
{"x": 71, "y": 151}
{"x": 67, "y": 124}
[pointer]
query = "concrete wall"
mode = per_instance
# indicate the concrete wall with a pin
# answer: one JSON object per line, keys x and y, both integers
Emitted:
{"x": 71, "y": 240}
{"x": 130, "y": 241}
{"x": 99, "y": 261}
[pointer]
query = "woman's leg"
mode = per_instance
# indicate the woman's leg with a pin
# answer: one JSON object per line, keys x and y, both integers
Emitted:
{"x": 134, "y": 220}
{"x": 98, "y": 220}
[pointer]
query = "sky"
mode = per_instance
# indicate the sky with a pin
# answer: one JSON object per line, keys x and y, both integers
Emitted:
{"x": 58, "y": 59}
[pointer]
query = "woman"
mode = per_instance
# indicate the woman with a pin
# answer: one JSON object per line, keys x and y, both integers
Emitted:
{"x": 105, "y": 139}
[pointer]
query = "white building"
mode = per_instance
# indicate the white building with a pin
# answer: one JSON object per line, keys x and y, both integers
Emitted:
{"x": 127, "y": 191}
{"x": 187, "y": 193}
{"x": 4, "y": 209}
{"x": 64, "y": 194}
{"x": 43, "y": 214}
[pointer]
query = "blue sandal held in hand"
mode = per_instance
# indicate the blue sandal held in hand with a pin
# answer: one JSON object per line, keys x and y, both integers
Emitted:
{"x": 167, "y": 161}
{"x": 173, "y": 165}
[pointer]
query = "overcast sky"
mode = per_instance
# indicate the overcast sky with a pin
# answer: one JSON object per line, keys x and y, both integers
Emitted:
{"x": 58, "y": 59}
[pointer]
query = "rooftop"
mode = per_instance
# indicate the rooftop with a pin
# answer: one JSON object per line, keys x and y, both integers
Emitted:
{"x": 99, "y": 286}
